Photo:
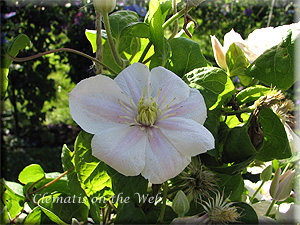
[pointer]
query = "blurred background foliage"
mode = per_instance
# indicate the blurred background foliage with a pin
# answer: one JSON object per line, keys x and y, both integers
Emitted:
{"x": 35, "y": 119}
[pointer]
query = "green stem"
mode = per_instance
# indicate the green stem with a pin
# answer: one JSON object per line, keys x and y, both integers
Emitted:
{"x": 176, "y": 24}
{"x": 165, "y": 25}
{"x": 136, "y": 49}
{"x": 99, "y": 52}
{"x": 244, "y": 110}
{"x": 163, "y": 207}
{"x": 145, "y": 51}
{"x": 62, "y": 50}
{"x": 270, "y": 208}
{"x": 258, "y": 189}
{"x": 111, "y": 41}
{"x": 51, "y": 182}
{"x": 174, "y": 17}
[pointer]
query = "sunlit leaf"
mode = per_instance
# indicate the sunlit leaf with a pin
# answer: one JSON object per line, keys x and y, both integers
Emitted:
{"x": 31, "y": 173}
{"x": 186, "y": 56}
{"x": 275, "y": 67}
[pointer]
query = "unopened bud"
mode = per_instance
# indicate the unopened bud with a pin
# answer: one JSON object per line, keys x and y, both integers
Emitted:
{"x": 218, "y": 52}
{"x": 281, "y": 185}
{"x": 104, "y": 6}
{"x": 266, "y": 173}
{"x": 180, "y": 204}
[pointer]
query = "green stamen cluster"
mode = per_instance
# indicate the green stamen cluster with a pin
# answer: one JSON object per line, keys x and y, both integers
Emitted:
{"x": 147, "y": 110}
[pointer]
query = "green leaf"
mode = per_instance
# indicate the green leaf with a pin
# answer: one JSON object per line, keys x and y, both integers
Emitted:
{"x": 91, "y": 35}
{"x": 133, "y": 187}
{"x": 91, "y": 171}
{"x": 161, "y": 46}
{"x": 237, "y": 64}
{"x": 67, "y": 158}
{"x": 137, "y": 29}
{"x": 251, "y": 94}
{"x": 10, "y": 48}
{"x": 231, "y": 185}
{"x": 12, "y": 200}
{"x": 276, "y": 144}
{"x": 248, "y": 214}
{"x": 238, "y": 146}
{"x": 129, "y": 192}
{"x": 275, "y": 67}
{"x": 120, "y": 20}
{"x": 37, "y": 216}
{"x": 61, "y": 208}
{"x": 213, "y": 83}
{"x": 212, "y": 123}
{"x": 31, "y": 173}
{"x": 130, "y": 214}
{"x": 186, "y": 56}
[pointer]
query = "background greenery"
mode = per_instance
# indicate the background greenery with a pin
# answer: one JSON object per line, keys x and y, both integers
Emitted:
{"x": 35, "y": 119}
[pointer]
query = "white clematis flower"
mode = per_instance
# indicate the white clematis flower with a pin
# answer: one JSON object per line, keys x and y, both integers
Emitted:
{"x": 144, "y": 122}
{"x": 257, "y": 42}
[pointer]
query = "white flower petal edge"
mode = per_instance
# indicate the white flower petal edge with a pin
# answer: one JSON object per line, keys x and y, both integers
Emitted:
{"x": 187, "y": 136}
{"x": 122, "y": 148}
{"x": 163, "y": 161}
{"x": 133, "y": 79}
{"x": 94, "y": 103}
{"x": 171, "y": 87}
{"x": 193, "y": 108}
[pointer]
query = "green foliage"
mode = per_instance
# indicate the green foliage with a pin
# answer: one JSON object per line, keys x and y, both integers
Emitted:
{"x": 275, "y": 67}
{"x": 276, "y": 144}
{"x": 11, "y": 48}
{"x": 186, "y": 56}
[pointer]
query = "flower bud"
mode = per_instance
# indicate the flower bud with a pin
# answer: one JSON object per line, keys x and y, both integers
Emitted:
{"x": 281, "y": 186}
{"x": 218, "y": 52}
{"x": 104, "y": 6}
{"x": 266, "y": 173}
{"x": 180, "y": 204}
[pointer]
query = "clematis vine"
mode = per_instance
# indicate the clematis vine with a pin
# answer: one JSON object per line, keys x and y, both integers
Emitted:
{"x": 144, "y": 122}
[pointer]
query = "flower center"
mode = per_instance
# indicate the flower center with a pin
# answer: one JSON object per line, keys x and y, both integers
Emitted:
{"x": 147, "y": 110}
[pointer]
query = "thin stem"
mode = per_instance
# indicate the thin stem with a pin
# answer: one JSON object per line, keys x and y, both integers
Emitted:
{"x": 258, "y": 189}
{"x": 111, "y": 41}
{"x": 136, "y": 49}
{"x": 248, "y": 109}
{"x": 51, "y": 182}
{"x": 99, "y": 51}
{"x": 27, "y": 192}
{"x": 176, "y": 24}
{"x": 271, "y": 13}
{"x": 163, "y": 207}
{"x": 174, "y": 17}
{"x": 270, "y": 208}
{"x": 62, "y": 50}
{"x": 145, "y": 51}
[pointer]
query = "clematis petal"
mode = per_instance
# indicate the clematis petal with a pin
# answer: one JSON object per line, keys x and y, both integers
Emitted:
{"x": 172, "y": 88}
{"x": 122, "y": 147}
{"x": 230, "y": 38}
{"x": 193, "y": 108}
{"x": 133, "y": 79}
{"x": 188, "y": 136}
{"x": 94, "y": 104}
{"x": 219, "y": 52}
{"x": 163, "y": 161}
